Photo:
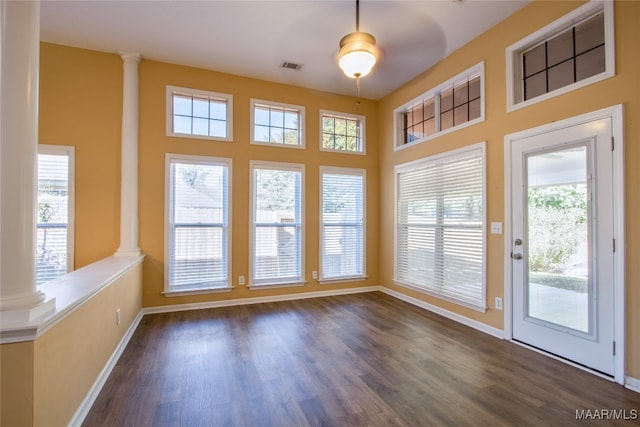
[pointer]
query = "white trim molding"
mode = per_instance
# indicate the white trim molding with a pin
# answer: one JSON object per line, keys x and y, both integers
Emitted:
{"x": 257, "y": 300}
{"x": 632, "y": 384}
{"x": 482, "y": 327}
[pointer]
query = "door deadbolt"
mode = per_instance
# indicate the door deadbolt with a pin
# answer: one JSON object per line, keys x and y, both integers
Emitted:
{"x": 517, "y": 242}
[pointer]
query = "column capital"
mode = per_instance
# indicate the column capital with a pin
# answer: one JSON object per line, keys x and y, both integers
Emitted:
{"x": 130, "y": 57}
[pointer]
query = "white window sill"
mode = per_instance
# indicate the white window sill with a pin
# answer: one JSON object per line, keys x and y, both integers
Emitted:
{"x": 254, "y": 286}
{"x": 342, "y": 279}
{"x": 197, "y": 291}
{"x": 435, "y": 294}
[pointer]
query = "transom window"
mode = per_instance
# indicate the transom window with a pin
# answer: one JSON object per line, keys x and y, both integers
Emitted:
{"x": 440, "y": 226}
{"x": 341, "y": 132}
{"x": 55, "y": 203}
{"x": 277, "y": 124}
{"x": 276, "y": 232}
{"x": 579, "y": 52}
{"x": 452, "y": 105}
{"x": 342, "y": 224}
{"x": 197, "y": 252}
{"x": 199, "y": 114}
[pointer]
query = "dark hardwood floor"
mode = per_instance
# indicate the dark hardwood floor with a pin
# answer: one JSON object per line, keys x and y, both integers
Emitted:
{"x": 354, "y": 360}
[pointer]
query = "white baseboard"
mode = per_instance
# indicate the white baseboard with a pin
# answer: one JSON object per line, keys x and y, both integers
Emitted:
{"x": 91, "y": 397}
{"x": 256, "y": 300}
{"x": 482, "y": 327}
{"x": 632, "y": 384}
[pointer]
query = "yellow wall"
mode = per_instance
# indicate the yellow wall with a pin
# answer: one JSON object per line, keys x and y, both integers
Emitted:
{"x": 69, "y": 357}
{"x": 16, "y": 384}
{"x": 43, "y": 382}
{"x": 490, "y": 47}
{"x": 81, "y": 106}
{"x": 154, "y": 77}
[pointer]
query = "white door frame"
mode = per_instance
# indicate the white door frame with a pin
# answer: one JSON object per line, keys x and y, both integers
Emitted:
{"x": 616, "y": 114}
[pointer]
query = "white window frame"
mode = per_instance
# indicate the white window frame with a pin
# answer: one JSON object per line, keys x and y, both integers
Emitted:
{"x": 432, "y": 160}
{"x": 175, "y": 90}
{"x": 398, "y": 144}
{"x": 514, "y": 52}
{"x": 362, "y": 134}
{"x": 301, "y": 124}
{"x": 275, "y": 283}
{"x": 70, "y": 152}
{"x": 170, "y": 159}
{"x": 344, "y": 171}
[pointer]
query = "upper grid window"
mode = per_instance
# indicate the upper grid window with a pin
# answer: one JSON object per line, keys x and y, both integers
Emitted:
{"x": 277, "y": 124}
{"x": 578, "y": 52}
{"x": 342, "y": 132}
{"x": 195, "y": 113}
{"x": 454, "y": 104}
{"x": 54, "y": 228}
{"x": 197, "y": 234}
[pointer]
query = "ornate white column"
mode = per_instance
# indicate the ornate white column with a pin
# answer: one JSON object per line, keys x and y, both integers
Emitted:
{"x": 20, "y": 62}
{"x": 129, "y": 153}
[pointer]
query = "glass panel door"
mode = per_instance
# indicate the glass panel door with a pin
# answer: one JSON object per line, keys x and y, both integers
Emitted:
{"x": 558, "y": 238}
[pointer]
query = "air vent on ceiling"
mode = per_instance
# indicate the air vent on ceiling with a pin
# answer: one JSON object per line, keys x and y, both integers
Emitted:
{"x": 290, "y": 65}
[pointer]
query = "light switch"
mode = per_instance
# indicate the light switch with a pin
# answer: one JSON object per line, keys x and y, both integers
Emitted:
{"x": 496, "y": 228}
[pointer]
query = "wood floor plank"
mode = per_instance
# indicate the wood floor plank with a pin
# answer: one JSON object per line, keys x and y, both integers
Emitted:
{"x": 353, "y": 360}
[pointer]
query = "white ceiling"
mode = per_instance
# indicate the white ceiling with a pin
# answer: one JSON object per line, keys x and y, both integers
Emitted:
{"x": 252, "y": 38}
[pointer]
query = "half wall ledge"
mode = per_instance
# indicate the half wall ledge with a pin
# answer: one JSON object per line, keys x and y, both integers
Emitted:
{"x": 69, "y": 292}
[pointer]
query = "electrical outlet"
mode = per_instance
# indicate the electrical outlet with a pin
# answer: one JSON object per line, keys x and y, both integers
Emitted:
{"x": 498, "y": 303}
{"x": 117, "y": 316}
{"x": 240, "y": 280}
{"x": 314, "y": 275}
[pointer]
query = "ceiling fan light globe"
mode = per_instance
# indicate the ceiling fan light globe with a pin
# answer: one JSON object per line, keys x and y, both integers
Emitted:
{"x": 358, "y": 54}
{"x": 357, "y": 63}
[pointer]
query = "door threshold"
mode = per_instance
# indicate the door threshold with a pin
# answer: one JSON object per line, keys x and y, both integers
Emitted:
{"x": 564, "y": 360}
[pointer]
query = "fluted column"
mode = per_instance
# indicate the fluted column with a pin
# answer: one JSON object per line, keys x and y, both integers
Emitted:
{"x": 20, "y": 57}
{"x": 129, "y": 153}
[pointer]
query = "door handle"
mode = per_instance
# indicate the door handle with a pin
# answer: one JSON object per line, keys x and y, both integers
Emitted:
{"x": 516, "y": 256}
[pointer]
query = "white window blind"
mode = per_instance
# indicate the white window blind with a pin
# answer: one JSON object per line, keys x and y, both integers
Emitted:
{"x": 198, "y": 223}
{"x": 342, "y": 223}
{"x": 53, "y": 254}
{"x": 440, "y": 237}
{"x": 277, "y": 224}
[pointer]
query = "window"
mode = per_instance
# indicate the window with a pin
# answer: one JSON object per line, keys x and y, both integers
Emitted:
{"x": 54, "y": 226}
{"x": 454, "y": 104}
{"x": 197, "y": 211}
{"x": 572, "y": 52}
{"x": 199, "y": 114}
{"x": 277, "y": 233}
{"x": 440, "y": 237}
{"x": 342, "y": 132}
{"x": 342, "y": 223}
{"x": 277, "y": 124}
